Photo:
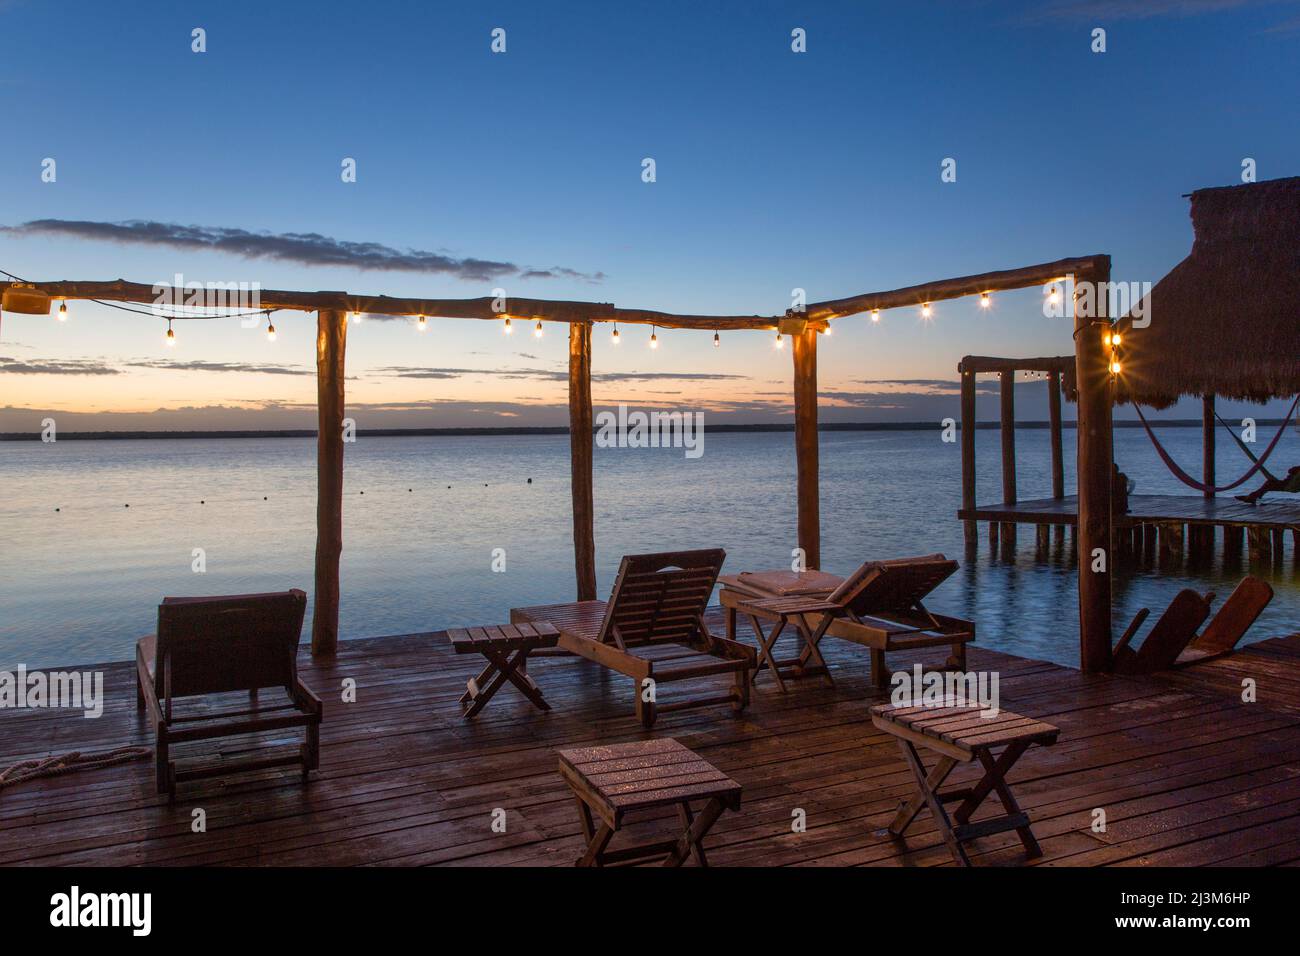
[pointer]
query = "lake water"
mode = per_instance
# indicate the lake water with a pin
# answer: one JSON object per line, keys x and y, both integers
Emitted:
{"x": 422, "y": 516}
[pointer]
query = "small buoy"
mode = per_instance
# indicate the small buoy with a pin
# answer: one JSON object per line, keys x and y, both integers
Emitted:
{"x": 530, "y": 481}
{"x": 56, "y": 509}
{"x": 202, "y": 502}
{"x": 409, "y": 489}
{"x": 363, "y": 492}
{"x": 449, "y": 487}
{"x": 263, "y": 497}
{"x": 126, "y": 506}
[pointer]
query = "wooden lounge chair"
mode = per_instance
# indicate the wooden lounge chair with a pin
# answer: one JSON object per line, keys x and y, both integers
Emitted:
{"x": 1230, "y": 623}
{"x": 216, "y": 645}
{"x": 880, "y": 605}
{"x": 652, "y": 629}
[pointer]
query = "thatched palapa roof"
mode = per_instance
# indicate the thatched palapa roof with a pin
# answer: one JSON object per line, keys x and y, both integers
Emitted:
{"x": 1226, "y": 320}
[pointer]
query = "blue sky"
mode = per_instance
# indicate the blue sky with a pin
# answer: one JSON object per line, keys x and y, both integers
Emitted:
{"x": 775, "y": 170}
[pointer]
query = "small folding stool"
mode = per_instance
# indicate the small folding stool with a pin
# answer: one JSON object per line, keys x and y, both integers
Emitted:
{"x": 962, "y": 735}
{"x": 611, "y": 782}
{"x": 496, "y": 644}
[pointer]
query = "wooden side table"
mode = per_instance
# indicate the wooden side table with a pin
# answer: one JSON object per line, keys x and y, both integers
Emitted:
{"x": 611, "y": 782}
{"x": 506, "y": 648}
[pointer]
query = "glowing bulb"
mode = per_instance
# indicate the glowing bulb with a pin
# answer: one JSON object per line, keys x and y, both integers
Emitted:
{"x": 507, "y": 329}
{"x": 717, "y": 340}
{"x": 421, "y": 324}
{"x": 614, "y": 338}
{"x": 356, "y": 317}
{"x": 654, "y": 339}
{"x": 780, "y": 343}
{"x": 828, "y": 329}
{"x": 1114, "y": 367}
{"x": 537, "y": 329}
{"x": 270, "y": 331}
{"x": 171, "y": 336}
{"x": 926, "y": 310}
{"x": 985, "y": 301}
{"x": 1114, "y": 338}
{"x": 875, "y": 315}
{"x": 63, "y": 311}
{"x": 1054, "y": 295}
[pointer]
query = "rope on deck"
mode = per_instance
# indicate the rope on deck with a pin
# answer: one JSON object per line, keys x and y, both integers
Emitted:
{"x": 60, "y": 764}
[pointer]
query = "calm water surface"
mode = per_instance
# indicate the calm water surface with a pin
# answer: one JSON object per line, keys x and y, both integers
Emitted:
{"x": 423, "y": 515}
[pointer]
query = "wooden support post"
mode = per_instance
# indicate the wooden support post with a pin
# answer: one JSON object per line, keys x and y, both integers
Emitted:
{"x": 1054, "y": 416}
{"x": 331, "y": 343}
{"x": 1207, "y": 442}
{"x": 805, "y": 445}
{"x": 1261, "y": 544}
{"x": 968, "y": 454}
{"x": 1008, "y": 427}
{"x": 580, "y": 459}
{"x": 1092, "y": 371}
{"x": 1233, "y": 536}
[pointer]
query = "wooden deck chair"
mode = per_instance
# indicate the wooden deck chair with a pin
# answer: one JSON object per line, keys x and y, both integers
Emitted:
{"x": 1167, "y": 639}
{"x": 216, "y": 645}
{"x": 880, "y": 605}
{"x": 1230, "y": 623}
{"x": 652, "y": 629}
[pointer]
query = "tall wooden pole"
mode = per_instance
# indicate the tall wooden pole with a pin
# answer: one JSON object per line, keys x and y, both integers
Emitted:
{"x": 580, "y": 459}
{"x": 805, "y": 445}
{"x": 1207, "y": 442}
{"x": 1054, "y": 416}
{"x": 968, "y": 425}
{"x": 331, "y": 342}
{"x": 1007, "y": 390}
{"x": 1092, "y": 370}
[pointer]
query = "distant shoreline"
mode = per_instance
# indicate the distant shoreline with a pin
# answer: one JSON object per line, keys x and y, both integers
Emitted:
{"x": 554, "y": 430}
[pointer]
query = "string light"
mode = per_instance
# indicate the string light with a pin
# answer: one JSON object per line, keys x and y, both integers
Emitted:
{"x": 654, "y": 337}
{"x": 828, "y": 329}
{"x": 507, "y": 328}
{"x": 356, "y": 317}
{"x": 421, "y": 324}
{"x": 1114, "y": 366}
{"x": 717, "y": 340}
{"x": 1054, "y": 294}
{"x": 875, "y": 315}
{"x": 614, "y": 337}
{"x": 270, "y": 328}
{"x": 780, "y": 343}
{"x": 985, "y": 301}
{"x": 926, "y": 310}
{"x": 537, "y": 329}
{"x": 63, "y": 311}
{"x": 171, "y": 336}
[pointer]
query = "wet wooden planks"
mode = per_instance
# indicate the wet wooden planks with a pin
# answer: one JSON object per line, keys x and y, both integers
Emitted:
{"x": 1184, "y": 771}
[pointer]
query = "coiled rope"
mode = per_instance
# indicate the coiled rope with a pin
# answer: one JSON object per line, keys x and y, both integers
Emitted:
{"x": 60, "y": 764}
{"x": 1188, "y": 480}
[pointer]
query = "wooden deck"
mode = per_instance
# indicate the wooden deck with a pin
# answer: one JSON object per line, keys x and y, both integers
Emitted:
{"x": 1185, "y": 772}
{"x": 1277, "y": 512}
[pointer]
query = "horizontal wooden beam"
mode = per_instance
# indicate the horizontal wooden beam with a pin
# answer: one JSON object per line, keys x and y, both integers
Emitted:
{"x": 987, "y": 363}
{"x": 955, "y": 288}
{"x": 818, "y": 314}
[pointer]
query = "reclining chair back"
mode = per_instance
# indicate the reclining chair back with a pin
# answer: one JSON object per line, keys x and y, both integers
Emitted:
{"x": 897, "y": 586}
{"x": 661, "y": 597}
{"x": 211, "y": 645}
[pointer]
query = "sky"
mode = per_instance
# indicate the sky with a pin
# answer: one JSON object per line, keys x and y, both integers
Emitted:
{"x": 774, "y": 170}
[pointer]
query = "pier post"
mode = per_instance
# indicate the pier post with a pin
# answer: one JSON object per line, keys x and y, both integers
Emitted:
{"x": 1054, "y": 416}
{"x": 580, "y": 459}
{"x": 968, "y": 426}
{"x": 331, "y": 343}
{"x": 1008, "y": 427}
{"x": 1092, "y": 371}
{"x": 1207, "y": 442}
{"x": 805, "y": 445}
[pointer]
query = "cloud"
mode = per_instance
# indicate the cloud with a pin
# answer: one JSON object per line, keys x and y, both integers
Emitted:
{"x": 66, "y": 367}
{"x": 302, "y": 248}
{"x": 1138, "y": 9}
{"x": 548, "y": 375}
{"x": 198, "y": 365}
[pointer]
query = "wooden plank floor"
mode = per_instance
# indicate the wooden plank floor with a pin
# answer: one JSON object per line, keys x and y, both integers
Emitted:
{"x": 1185, "y": 772}
{"x": 1275, "y": 512}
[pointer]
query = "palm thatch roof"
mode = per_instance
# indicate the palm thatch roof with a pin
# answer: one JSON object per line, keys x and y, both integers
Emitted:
{"x": 1226, "y": 320}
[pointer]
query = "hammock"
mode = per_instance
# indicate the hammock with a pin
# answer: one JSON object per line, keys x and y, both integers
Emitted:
{"x": 1245, "y": 449}
{"x": 1191, "y": 482}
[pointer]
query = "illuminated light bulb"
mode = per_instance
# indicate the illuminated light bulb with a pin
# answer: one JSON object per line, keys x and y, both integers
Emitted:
{"x": 828, "y": 329}
{"x": 654, "y": 339}
{"x": 985, "y": 301}
{"x": 926, "y": 310}
{"x": 1114, "y": 366}
{"x": 717, "y": 340}
{"x": 270, "y": 330}
{"x": 780, "y": 343}
{"x": 421, "y": 324}
{"x": 356, "y": 317}
{"x": 63, "y": 311}
{"x": 1054, "y": 295}
{"x": 507, "y": 328}
{"x": 875, "y": 315}
{"x": 171, "y": 336}
{"x": 614, "y": 337}
{"x": 1114, "y": 338}
{"x": 537, "y": 329}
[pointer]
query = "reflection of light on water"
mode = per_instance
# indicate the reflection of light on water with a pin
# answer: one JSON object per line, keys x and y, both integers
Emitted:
{"x": 81, "y": 585}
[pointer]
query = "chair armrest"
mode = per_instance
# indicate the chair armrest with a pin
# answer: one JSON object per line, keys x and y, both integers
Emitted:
{"x": 305, "y": 697}
{"x": 1138, "y": 618}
